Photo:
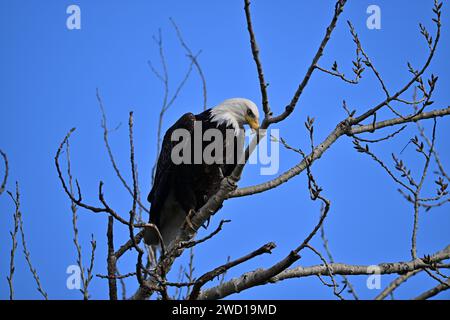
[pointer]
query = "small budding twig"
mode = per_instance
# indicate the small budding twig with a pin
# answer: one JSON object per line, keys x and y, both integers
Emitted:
{"x": 357, "y": 69}
{"x": 74, "y": 210}
{"x": 13, "y": 234}
{"x": 330, "y": 274}
{"x": 26, "y": 252}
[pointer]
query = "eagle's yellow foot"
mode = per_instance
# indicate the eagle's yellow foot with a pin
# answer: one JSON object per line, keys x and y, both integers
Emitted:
{"x": 188, "y": 219}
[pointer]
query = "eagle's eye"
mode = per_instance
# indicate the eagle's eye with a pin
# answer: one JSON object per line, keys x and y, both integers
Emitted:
{"x": 250, "y": 113}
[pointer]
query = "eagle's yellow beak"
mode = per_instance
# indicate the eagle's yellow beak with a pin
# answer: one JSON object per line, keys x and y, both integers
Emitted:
{"x": 253, "y": 123}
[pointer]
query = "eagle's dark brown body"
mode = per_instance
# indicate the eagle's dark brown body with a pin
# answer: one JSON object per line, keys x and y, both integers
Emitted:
{"x": 180, "y": 188}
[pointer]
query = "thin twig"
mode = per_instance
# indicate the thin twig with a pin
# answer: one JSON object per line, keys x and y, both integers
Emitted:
{"x": 195, "y": 61}
{"x": 330, "y": 257}
{"x": 389, "y": 136}
{"x": 396, "y": 283}
{"x": 111, "y": 154}
{"x": 255, "y": 52}
{"x": 74, "y": 209}
{"x": 330, "y": 273}
{"x": 192, "y": 243}
{"x": 5, "y": 177}
{"x": 139, "y": 265}
{"x": 417, "y": 195}
{"x": 13, "y": 234}
{"x": 25, "y": 247}
{"x": 339, "y": 8}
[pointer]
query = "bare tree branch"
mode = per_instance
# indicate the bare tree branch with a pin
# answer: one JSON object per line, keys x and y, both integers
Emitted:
{"x": 233, "y": 286}
{"x": 434, "y": 291}
{"x": 129, "y": 244}
{"x": 263, "y": 276}
{"x": 343, "y": 128}
{"x": 396, "y": 283}
{"x": 384, "y": 268}
{"x": 111, "y": 261}
{"x": 267, "y": 248}
{"x": 78, "y": 201}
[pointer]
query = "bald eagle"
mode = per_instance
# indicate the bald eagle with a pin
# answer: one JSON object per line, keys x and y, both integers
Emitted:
{"x": 179, "y": 188}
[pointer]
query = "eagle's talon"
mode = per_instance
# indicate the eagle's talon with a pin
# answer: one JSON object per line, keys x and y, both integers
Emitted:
{"x": 221, "y": 175}
{"x": 188, "y": 219}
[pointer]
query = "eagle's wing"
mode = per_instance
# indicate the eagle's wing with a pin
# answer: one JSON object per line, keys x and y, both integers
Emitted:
{"x": 165, "y": 168}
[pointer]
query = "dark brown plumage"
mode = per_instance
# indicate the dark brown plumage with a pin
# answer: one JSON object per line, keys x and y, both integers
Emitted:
{"x": 180, "y": 188}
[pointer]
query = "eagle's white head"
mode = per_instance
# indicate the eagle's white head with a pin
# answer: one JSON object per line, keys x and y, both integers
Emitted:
{"x": 236, "y": 112}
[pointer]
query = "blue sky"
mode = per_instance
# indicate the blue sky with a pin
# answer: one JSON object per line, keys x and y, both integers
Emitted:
{"x": 48, "y": 82}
